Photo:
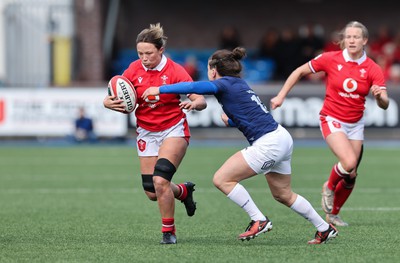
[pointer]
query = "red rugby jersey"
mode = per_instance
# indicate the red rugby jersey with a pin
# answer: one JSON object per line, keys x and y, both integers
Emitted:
{"x": 163, "y": 112}
{"x": 348, "y": 82}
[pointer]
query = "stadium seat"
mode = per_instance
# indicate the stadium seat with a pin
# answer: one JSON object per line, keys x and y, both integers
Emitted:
{"x": 254, "y": 70}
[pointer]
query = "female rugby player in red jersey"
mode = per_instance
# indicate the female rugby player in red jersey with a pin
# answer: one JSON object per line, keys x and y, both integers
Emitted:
{"x": 162, "y": 129}
{"x": 269, "y": 152}
{"x": 350, "y": 76}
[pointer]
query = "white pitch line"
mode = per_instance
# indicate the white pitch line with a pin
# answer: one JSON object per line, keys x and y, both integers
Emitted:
{"x": 372, "y": 209}
{"x": 138, "y": 189}
{"x": 67, "y": 191}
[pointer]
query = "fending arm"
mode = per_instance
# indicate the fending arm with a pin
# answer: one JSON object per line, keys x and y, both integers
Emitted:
{"x": 198, "y": 87}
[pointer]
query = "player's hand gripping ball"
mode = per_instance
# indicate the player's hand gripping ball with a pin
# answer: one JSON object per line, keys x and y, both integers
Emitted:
{"x": 121, "y": 87}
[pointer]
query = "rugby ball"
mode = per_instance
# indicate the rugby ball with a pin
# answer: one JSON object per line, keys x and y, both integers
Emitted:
{"x": 121, "y": 87}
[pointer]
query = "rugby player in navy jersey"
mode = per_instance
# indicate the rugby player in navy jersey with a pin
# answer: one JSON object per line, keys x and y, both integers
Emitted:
{"x": 270, "y": 149}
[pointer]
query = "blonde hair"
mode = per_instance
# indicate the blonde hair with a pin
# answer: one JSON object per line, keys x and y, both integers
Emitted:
{"x": 356, "y": 24}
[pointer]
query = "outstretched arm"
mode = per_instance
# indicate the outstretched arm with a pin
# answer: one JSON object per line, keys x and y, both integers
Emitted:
{"x": 198, "y": 87}
{"x": 197, "y": 102}
{"x": 293, "y": 78}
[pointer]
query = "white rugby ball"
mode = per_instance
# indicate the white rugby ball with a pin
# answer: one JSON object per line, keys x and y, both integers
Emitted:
{"x": 121, "y": 87}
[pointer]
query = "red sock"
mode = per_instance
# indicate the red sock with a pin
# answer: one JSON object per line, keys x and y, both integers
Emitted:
{"x": 168, "y": 225}
{"x": 335, "y": 177}
{"x": 342, "y": 192}
{"x": 182, "y": 192}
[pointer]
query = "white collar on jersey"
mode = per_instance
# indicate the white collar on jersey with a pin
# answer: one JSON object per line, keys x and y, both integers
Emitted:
{"x": 347, "y": 57}
{"x": 159, "y": 66}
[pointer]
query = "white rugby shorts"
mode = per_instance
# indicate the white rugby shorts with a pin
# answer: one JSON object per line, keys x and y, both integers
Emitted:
{"x": 148, "y": 143}
{"x": 271, "y": 153}
{"x": 354, "y": 131}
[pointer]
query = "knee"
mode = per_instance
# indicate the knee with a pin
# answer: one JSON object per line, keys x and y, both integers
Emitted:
{"x": 217, "y": 181}
{"x": 347, "y": 166}
{"x": 284, "y": 198}
{"x": 161, "y": 185}
{"x": 151, "y": 196}
{"x": 280, "y": 198}
{"x": 164, "y": 169}
{"x": 148, "y": 186}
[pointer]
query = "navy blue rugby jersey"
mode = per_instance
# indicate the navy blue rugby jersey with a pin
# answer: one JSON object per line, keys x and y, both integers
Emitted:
{"x": 243, "y": 106}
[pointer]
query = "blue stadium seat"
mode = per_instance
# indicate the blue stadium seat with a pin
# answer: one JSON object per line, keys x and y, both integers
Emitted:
{"x": 254, "y": 70}
{"x": 258, "y": 70}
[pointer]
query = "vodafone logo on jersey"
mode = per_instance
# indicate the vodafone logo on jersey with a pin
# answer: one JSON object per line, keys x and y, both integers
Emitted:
{"x": 349, "y": 85}
{"x": 152, "y": 98}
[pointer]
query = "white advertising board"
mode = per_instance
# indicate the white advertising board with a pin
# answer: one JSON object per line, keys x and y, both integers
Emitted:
{"x": 52, "y": 111}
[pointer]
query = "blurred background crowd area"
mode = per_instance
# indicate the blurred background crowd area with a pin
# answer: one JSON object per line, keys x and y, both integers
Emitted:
{"x": 85, "y": 42}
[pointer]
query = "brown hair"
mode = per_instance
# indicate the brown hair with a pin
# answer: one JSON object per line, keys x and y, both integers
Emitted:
{"x": 226, "y": 62}
{"x": 154, "y": 35}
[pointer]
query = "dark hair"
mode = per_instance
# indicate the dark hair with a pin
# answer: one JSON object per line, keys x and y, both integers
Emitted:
{"x": 154, "y": 35}
{"x": 226, "y": 62}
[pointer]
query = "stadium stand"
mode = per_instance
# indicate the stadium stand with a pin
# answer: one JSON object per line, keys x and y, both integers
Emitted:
{"x": 256, "y": 70}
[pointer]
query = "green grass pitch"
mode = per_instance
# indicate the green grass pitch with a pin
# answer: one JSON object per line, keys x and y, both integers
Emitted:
{"x": 86, "y": 204}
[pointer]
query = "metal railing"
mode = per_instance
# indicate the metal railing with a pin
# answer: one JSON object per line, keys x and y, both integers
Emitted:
{"x": 32, "y": 31}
